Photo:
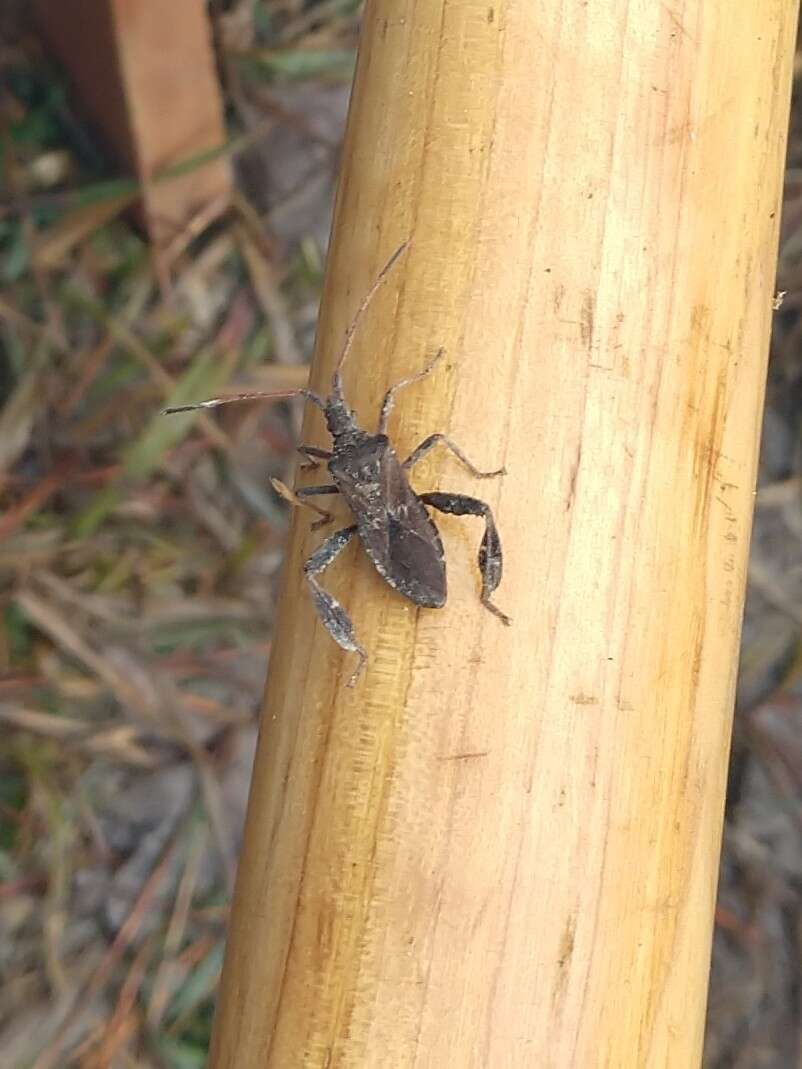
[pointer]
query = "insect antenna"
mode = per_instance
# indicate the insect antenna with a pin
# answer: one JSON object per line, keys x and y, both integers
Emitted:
{"x": 336, "y": 380}
{"x": 273, "y": 395}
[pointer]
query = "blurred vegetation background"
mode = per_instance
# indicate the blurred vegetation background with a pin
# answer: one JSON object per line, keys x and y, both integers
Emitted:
{"x": 139, "y": 556}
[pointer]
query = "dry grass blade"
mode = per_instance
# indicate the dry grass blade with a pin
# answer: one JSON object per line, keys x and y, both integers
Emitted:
{"x": 270, "y": 298}
{"x": 170, "y": 971}
{"x": 65, "y": 634}
{"x": 249, "y": 232}
{"x": 15, "y": 517}
{"x": 125, "y": 1020}
{"x": 50, "y": 1057}
{"x": 17, "y": 417}
{"x": 39, "y": 723}
{"x": 54, "y": 245}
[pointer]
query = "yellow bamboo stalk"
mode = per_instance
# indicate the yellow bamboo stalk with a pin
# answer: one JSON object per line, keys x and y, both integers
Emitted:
{"x": 501, "y": 848}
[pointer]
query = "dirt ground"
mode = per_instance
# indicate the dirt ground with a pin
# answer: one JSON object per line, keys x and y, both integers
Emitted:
{"x": 139, "y": 559}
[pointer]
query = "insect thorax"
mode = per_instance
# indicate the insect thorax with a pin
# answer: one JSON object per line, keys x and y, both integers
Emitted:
{"x": 358, "y": 456}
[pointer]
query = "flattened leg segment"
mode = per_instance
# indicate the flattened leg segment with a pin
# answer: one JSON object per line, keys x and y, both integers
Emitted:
{"x": 490, "y": 561}
{"x": 429, "y": 443}
{"x": 333, "y": 616}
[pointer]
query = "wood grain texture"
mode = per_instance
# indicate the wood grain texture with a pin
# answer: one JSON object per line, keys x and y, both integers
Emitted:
{"x": 501, "y": 849}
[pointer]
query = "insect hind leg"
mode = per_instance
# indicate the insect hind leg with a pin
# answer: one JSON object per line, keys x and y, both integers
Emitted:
{"x": 490, "y": 559}
{"x": 332, "y": 615}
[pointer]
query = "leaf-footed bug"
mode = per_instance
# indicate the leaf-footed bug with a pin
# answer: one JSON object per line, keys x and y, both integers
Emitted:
{"x": 396, "y": 530}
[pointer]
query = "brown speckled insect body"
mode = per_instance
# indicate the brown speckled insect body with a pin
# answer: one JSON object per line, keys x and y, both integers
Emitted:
{"x": 392, "y": 521}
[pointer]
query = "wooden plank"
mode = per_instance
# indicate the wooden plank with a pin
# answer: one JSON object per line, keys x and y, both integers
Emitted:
{"x": 501, "y": 848}
{"x": 145, "y": 76}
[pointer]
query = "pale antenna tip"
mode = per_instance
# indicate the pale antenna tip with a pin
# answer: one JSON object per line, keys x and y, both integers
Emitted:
{"x": 171, "y": 411}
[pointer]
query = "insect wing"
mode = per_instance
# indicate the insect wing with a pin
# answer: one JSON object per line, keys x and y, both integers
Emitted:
{"x": 397, "y": 532}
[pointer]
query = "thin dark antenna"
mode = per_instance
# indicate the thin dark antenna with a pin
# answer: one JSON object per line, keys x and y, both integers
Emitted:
{"x": 215, "y": 402}
{"x": 349, "y": 334}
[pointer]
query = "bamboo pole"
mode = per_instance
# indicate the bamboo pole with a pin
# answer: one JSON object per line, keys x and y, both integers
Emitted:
{"x": 501, "y": 848}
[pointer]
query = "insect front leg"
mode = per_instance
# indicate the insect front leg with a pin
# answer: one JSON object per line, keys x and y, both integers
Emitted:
{"x": 333, "y": 616}
{"x": 297, "y": 497}
{"x": 389, "y": 397}
{"x": 313, "y": 456}
{"x": 490, "y": 562}
{"x": 434, "y": 439}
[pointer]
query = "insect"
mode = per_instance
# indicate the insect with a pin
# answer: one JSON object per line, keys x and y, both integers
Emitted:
{"x": 391, "y": 519}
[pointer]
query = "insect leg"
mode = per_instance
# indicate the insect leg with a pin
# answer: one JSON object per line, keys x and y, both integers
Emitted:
{"x": 317, "y": 491}
{"x": 389, "y": 397}
{"x": 429, "y": 443}
{"x": 490, "y": 562}
{"x": 332, "y": 614}
{"x": 296, "y": 497}
{"x": 313, "y": 456}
